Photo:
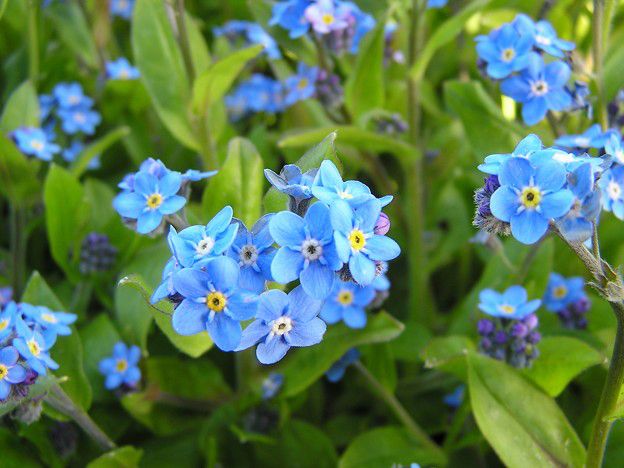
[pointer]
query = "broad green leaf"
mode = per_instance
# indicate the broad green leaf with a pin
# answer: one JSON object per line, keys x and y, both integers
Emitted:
{"x": 448, "y": 353}
{"x": 13, "y": 451}
{"x": 67, "y": 351}
{"x": 524, "y": 426}
{"x": 365, "y": 87}
{"x": 73, "y": 29}
{"x": 162, "y": 68}
{"x": 239, "y": 184}
{"x": 379, "y": 360}
{"x": 21, "y": 109}
{"x": 387, "y": 446}
{"x": 306, "y": 365}
{"x": 561, "y": 358}
{"x": 18, "y": 174}
{"x": 97, "y": 148}
{"x": 3, "y": 4}
{"x": 123, "y": 457}
{"x": 200, "y": 56}
{"x": 408, "y": 345}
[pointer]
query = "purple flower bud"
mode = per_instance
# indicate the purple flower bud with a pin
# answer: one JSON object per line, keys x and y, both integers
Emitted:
{"x": 519, "y": 330}
{"x": 485, "y": 344}
{"x": 534, "y": 337}
{"x": 500, "y": 337}
{"x": 582, "y": 305}
{"x": 491, "y": 183}
{"x": 531, "y": 321}
{"x": 382, "y": 226}
{"x": 485, "y": 327}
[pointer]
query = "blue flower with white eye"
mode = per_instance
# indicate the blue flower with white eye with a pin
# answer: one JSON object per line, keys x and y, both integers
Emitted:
{"x": 290, "y": 16}
{"x": 511, "y": 304}
{"x": 122, "y": 367}
{"x": 302, "y": 85}
{"x": 52, "y": 324}
{"x": 324, "y": 17}
{"x": 151, "y": 199}
{"x": 562, "y": 292}
{"x": 197, "y": 245}
{"x": 69, "y": 95}
{"x": 505, "y": 51}
{"x": 122, "y": 8}
{"x": 71, "y": 153}
{"x": 307, "y": 251}
{"x": 254, "y": 252}
{"x": 292, "y": 181}
{"x": 576, "y": 225}
{"x": 611, "y": 184}
{"x": 33, "y": 348}
{"x": 272, "y": 385}
{"x": 348, "y": 302}
{"x": 527, "y": 146}
{"x": 8, "y": 318}
{"x": 337, "y": 370}
{"x": 213, "y": 302}
{"x": 544, "y": 36}
{"x": 356, "y": 242}
{"x": 539, "y": 88}
{"x": 283, "y": 321}
{"x": 11, "y": 372}
{"x": 530, "y": 197}
{"x": 593, "y": 137}
{"x": 34, "y": 142}
{"x": 614, "y": 147}
{"x": 328, "y": 187}
{"x": 121, "y": 69}
{"x": 79, "y": 119}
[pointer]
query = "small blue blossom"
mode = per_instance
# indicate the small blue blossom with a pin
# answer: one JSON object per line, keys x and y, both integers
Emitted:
{"x": 529, "y": 197}
{"x": 272, "y": 385}
{"x": 11, "y": 372}
{"x": 302, "y": 85}
{"x": 75, "y": 148}
{"x": 34, "y": 142}
{"x": 329, "y": 187}
{"x": 348, "y": 302}
{"x": 544, "y": 36}
{"x": 213, "y": 302}
{"x": 33, "y": 348}
{"x": 614, "y": 147}
{"x": 51, "y": 324}
{"x": 456, "y": 397}
{"x": 292, "y": 181}
{"x": 121, "y": 69}
{"x": 505, "y": 50}
{"x": 436, "y": 3}
{"x": 323, "y": 16}
{"x": 290, "y": 16}
{"x": 612, "y": 185}
{"x": 511, "y": 304}
{"x": 258, "y": 94}
{"x": 8, "y": 319}
{"x": 539, "y": 88}
{"x": 561, "y": 292}
{"x": 527, "y": 146}
{"x": 79, "y": 119}
{"x": 283, "y": 321}
{"x": 337, "y": 370}
{"x": 69, "y": 95}
{"x": 252, "y": 33}
{"x": 122, "y": 8}
{"x": 593, "y": 137}
{"x": 122, "y": 367}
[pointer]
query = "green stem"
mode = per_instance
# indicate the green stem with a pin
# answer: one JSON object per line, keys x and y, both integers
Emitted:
{"x": 33, "y": 42}
{"x": 18, "y": 249}
{"x": 81, "y": 296}
{"x": 601, "y": 23}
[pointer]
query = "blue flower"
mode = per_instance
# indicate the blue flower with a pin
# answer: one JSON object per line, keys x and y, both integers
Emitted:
{"x": 122, "y": 367}
{"x": 356, "y": 242}
{"x": 511, "y": 304}
{"x": 436, "y": 3}
{"x": 307, "y": 250}
{"x": 527, "y": 146}
{"x": 612, "y": 185}
{"x": 71, "y": 153}
{"x": 283, "y": 321}
{"x": 323, "y": 16}
{"x": 272, "y": 385}
{"x": 11, "y": 372}
{"x": 539, "y": 88}
{"x": 8, "y": 318}
{"x": 252, "y": 33}
{"x": 213, "y": 302}
{"x": 562, "y": 292}
{"x": 302, "y": 85}
{"x": 328, "y": 187}
{"x": 52, "y": 324}
{"x": 529, "y": 197}
{"x": 614, "y": 147}
{"x": 593, "y": 137}
{"x": 292, "y": 181}
{"x": 151, "y": 199}
{"x": 505, "y": 50}
{"x": 121, "y": 69}
{"x": 544, "y": 35}
{"x": 258, "y": 94}
{"x": 34, "y": 142}
{"x": 290, "y": 16}
{"x": 33, "y": 348}
{"x": 348, "y": 302}
{"x": 122, "y": 8}
{"x": 455, "y": 399}
{"x": 337, "y": 370}
{"x": 69, "y": 95}
{"x": 254, "y": 252}
{"x": 79, "y": 119}
{"x": 197, "y": 245}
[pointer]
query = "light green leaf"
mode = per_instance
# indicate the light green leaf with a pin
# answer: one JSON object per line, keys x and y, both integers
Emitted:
{"x": 448, "y": 353}
{"x": 200, "y": 56}
{"x": 73, "y": 29}
{"x": 18, "y": 174}
{"x": 97, "y": 148}
{"x": 21, "y": 109}
{"x": 123, "y": 457}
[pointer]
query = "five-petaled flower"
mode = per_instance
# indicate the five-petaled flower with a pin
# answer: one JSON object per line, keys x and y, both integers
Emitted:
{"x": 33, "y": 348}
{"x": 122, "y": 367}
{"x": 505, "y": 50}
{"x": 561, "y": 291}
{"x": 11, "y": 372}
{"x": 348, "y": 302}
{"x": 511, "y": 304}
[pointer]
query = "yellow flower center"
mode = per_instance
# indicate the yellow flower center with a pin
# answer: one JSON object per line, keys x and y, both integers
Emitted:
{"x": 34, "y": 348}
{"x": 507, "y": 309}
{"x": 50, "y": 318}
{"x": 508, "y": 54}
{"x": 4, "y": 370}
{"x": 327, "y": 18}
{"x": 345, "y": 297}
{"x": 3, "y": 324}
{"x": 303, "y": 83}
{"x": 560, "y": 291}
{"x": 121, "y": 365}
{"x": 216, "y": 301}
{"x": 154, "y": 200}
{"x": 124, "y": 74}
{"x": 531, "y": 197}
{"x": 357, "y": 239}
{"x": 345, "y": 195}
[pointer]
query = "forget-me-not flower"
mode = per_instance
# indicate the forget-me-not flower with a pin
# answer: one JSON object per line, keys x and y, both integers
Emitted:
{"x": 328, "y": 186}
{"x": 527, "y": 146}
{"x": 11, "y": 372}
{"x": 290, "y": 16}
{"x": 79, "y": 119}
{"x": 122, "y": 8}
{"x": 511, "y": 304}
{"x": 34, "y": 142}
{"x": 52, "y": 324}
{"x": 69, "y": 95}
{"x": 612, "y": 185}
{"x": 121, "y": 69}
{"x": 324, "y": 17}
{"x": 337, "y": 370}
{"x": 302, "y": 85}
{"x": 348, "y": 302}
{"x": 561, "y": 291}
{"x": 122, "y": 367}
{"x": 505, "y": 50}
{"x": 544, "y": 36}
{"x": 33, "y": 348}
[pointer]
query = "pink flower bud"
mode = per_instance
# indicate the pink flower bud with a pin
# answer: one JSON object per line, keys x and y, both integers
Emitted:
{"x": 382, "y": 226}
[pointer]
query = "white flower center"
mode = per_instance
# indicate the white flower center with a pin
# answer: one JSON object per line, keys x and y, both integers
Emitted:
{"x": 539, "y": 87}
{"x": 311, "y": 249}
{"x": 205, "y": 246}
{"x": 542, "y": 40}
{"x": 248, "y": 255}
{"x": 582, "y": 141}
{"x": 37, "y": 145}
{"x": 619, "y": 155}
{"x": 281, "y": 326}
{"x": 80, "y": 117}
{"x": 345, "y": 195}
{"x": 614, "y": 190}
{"x": 73, "y": 99}
{"x": 563, "y": 157}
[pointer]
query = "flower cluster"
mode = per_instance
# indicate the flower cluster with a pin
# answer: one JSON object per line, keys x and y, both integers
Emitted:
{"x": 121, "y": 69}
{"x": 566, "y": 297}
{"x": 27, "y": 333}
{"x": 248, "y": 33}
{"x": 121, "y": 369}
{"x": 512, "y": 334}
{"x": 97, "y": 254}
{"x": 514, "y": 53}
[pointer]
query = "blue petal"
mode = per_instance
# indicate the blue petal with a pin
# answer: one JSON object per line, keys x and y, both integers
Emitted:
{"x": 189, "y": 318}
{"x": 272, "y": 304}
{"x": 223, "y": 272}
{"x": 191, "y": 283}
{"x": 529, "y": 226}
{"x": 172, "y": 204}
{"x": 331, "y": 312}
{"x": 341, "y": 215}
{"x": 362, "y": 269}
{"x": 287, "y": 229}
{"x": 170, "y": 184}
{"x": 287, "y": 265}
{"x": 382, "y": 248}
{"x": 318, "y": 222}
{"x": 251, "y": 335}
{"x": 9, "y": 356}
{"x": 354, "y": 317}
{"x": 515, "y": 295}
{"x": 225, "y": 332}
{"x": 271, "y": 350}
{"x": 317, "y": 280}
{"x": 307, "y": 333}
{"x": 534, "y": 110}
{"x": 555, "y": 205}
{"x": 516, "y": 172}
{"x": 242, "y": 305}
{"x": 148, "y": 221}
{"x": 129, "y": 205}
{"x": 113, "y": 381}
{"x": 220, "y": 221}
{"x": 302, "y": 307}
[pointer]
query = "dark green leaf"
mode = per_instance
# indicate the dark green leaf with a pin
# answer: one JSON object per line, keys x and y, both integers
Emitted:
{"x": 123, "y": 457}
{"x": 73, "y": 29}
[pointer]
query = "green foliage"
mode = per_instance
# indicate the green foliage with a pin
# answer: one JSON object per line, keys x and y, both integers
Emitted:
{"x": 123, "y": 457}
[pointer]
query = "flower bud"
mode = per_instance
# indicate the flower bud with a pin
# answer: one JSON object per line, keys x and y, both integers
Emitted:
{"x": 382, "y": 226}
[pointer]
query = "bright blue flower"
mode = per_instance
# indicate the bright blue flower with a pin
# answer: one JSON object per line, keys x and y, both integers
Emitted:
{"x": 348, "y": 302}
{"x": 283, "y": 321}
{"x": 151, "y": 199}
{"x": 455, "y": 399}
{"x": 307, "y": 250}
{"x": 562, "y": 292}
{"x": 213, "y": 302}
{"x": 272, "y": 385}
{"x": 34, "y": 142}
{"x": 505, "y": 50}
{"x": 122, "y": 8}
{"x": 69, "y": 95}
{"x": 614, "y": 147}
{"x": 252, "y": 33}
{"x": 527, "y": 146}
{"x": 329, "y": 187}
{"x": 612, "y": 185}
{"x": 197, "y": 245}
{"x": 337, "y": 370}
{"x": 258, "y": 94}
{"x": 290, "y": 16}
{"x": 71, "y": 153}
{"x": 121, "y": 69}
{"x": 511, "y": 304}
{"x": 539, "y": 88}
{"x": 11, "y": 372}
{"x": 436, "y": 3}
{"x": 292, "y": 181}
{"x": 544, "y": 36}
{"x": 529, "y": 197}
{"x": 356, "y": 242}
{"x": 254, "y": 252}
{"x": 79, "y": 119}
{"x": 302, "y": 85}
{"x": 122, "y": 367}
{"x": 593, "y": 137}
{"x": 324, "y": 16}
{"x": 33, "y": 348}
{"x": 51, "y": 324}
{"x": 8, "y": 320}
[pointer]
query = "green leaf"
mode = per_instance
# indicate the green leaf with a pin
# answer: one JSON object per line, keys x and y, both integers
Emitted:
{"x": 123, "y": 457}
{"x": 67, "y": 351}
{"x": 365, "y": 88}
{"x": 561, "y": 358}
{"x": 3, "y": 4}
{"x": 524, "y": 426}
{"x": 306, "y": 365}
{"x": 448, "y": 353}
{"x": 18, "y": 174}
{"x": 387, "y": 446}
{"x": 239, "y": 183}
{"x": 73, "y": 29}
{"x": 211, "y": 85}
{"x": 97, "y": 148}
{"x": 160, "y": 61}
{"x": 379, "y": 360}
{"x": 21, "y": 109}
{"x": 14, "y": 453}
{"x": 200, "y": 56}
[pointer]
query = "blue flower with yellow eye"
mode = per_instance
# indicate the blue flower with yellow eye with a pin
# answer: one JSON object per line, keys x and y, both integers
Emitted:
{"x": 11, "y": 373}
{"x": 505, "y": 51}
{"x": 337, "y": 370}
{"x": 511, "y": 304}
{"x": 302, "y": 85}
{"x": 122, "y": 367}
{"x": 213, "y": 302}
{"x": 529, "y": 197}
{"x": 121, "y": 69}
{"x": 33, "y": 348}
{"x": 290, "y": 16}
{"x": 348, "y": 302}
{"x": 70, "y": 95}
{"x": 52, "y": 324}
{"x": 324, "y": 16}
{"x": 562, "y": 292}
{"x": 34, "y": 142}
{"x": 79, "y": 119}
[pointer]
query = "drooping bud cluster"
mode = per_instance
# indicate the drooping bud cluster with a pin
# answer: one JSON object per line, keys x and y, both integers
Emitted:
{"x": 97, "y": 254}
{"x": 483, "y": 218}
{"x": 329, "y": 91}
{"x": 392, "y": 124}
